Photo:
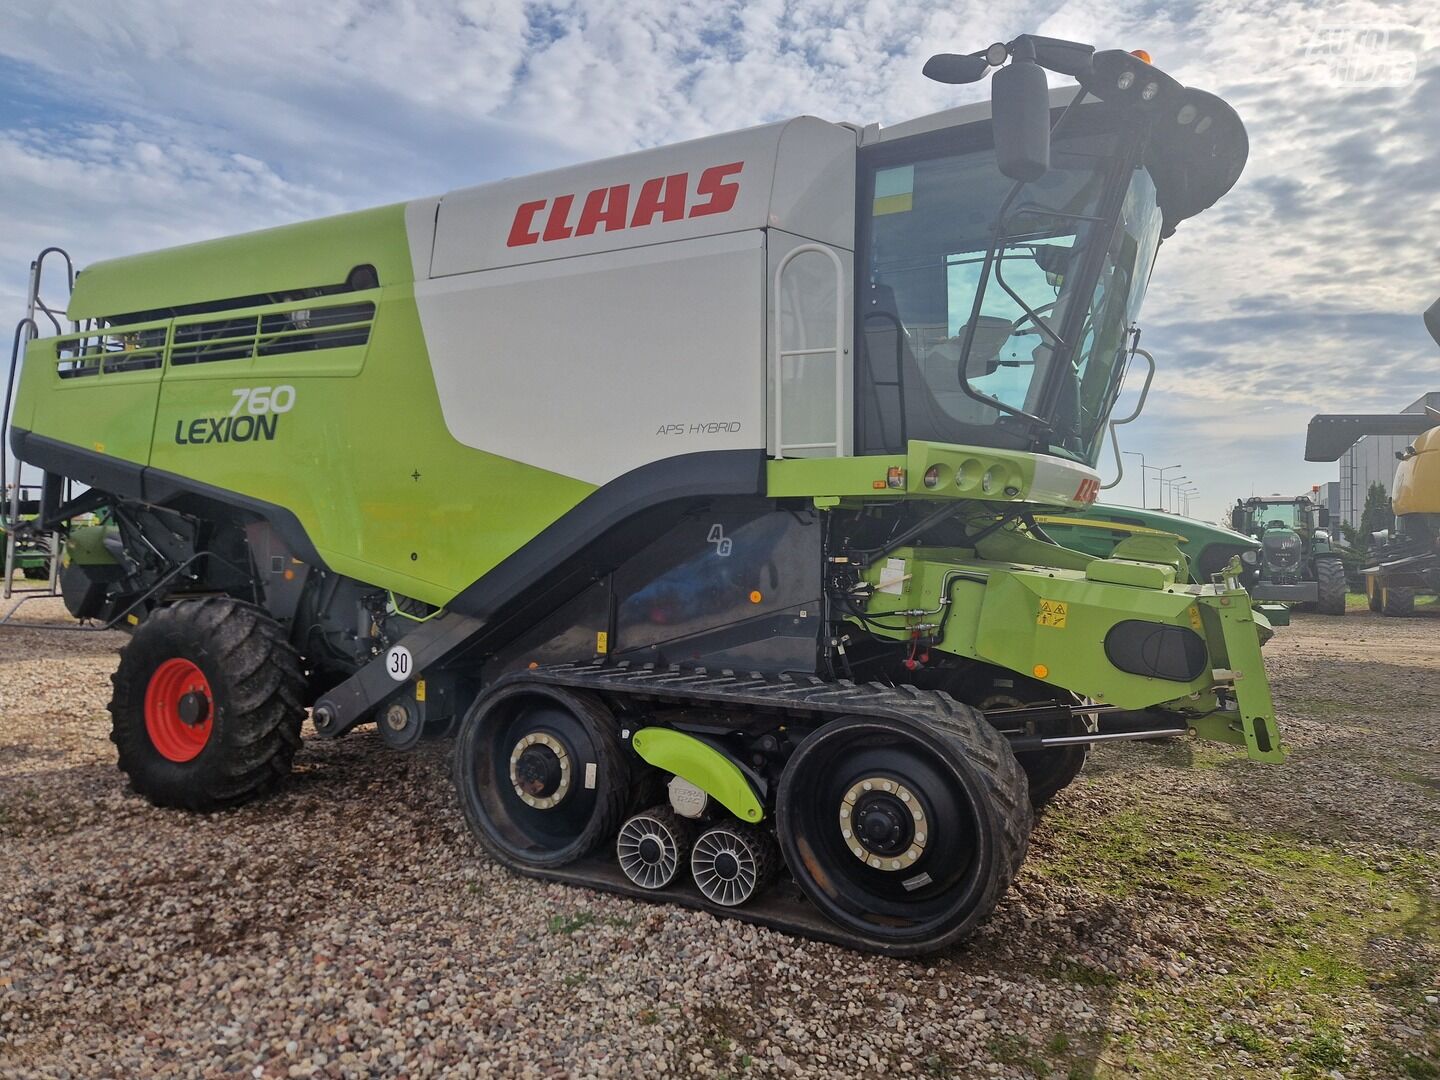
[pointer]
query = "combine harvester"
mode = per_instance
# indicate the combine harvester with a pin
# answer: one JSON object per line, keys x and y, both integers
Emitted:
{"x": 690, "y": 490}
{"x": 1406, "y": 563}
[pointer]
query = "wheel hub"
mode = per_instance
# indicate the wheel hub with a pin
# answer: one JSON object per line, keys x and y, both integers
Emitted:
{"x": 540, "y": 770}
{"x": 194, "y": 708}
{"x": 883, "y": 824}
{"x": 178, "y": 712}
{"x": 650, "y": 847}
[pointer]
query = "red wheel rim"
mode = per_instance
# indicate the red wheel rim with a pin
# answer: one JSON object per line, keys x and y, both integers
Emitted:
{"x": 166, "y": 709}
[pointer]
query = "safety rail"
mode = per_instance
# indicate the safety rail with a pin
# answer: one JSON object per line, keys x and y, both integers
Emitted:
{"x": 274, "y": 330}
{"x": 27, "y": 330}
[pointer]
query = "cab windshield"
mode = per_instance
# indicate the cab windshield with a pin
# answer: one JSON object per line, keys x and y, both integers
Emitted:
{"x": 1277, "y": 515}
{"x": 1049, "y": 338}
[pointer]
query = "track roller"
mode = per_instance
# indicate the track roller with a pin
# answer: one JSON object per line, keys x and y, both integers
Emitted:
{"x": 653, "y": 845}
{"x": 541, "y": 774}
{"x": 731, "y": 863}
{"x": 905, "y": 834}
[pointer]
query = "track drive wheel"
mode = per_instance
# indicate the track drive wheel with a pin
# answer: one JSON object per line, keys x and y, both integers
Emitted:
{"x": 207, "y": 705}
{"x": 732, "y": 863}
{"x": 1330, "y": 578}
{"x": 653, "y": 846}
{"x": 541, "y": 773}
{"x": 905, "y": 834}
{"x": 1397, "y": 601}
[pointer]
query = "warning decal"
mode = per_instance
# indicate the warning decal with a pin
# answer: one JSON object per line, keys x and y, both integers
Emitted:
{"x": 1052, "y": 614}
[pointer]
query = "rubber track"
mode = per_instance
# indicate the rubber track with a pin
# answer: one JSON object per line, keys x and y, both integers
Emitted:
{"x": 796, "y": 695}
{"x": 265, "y": 705}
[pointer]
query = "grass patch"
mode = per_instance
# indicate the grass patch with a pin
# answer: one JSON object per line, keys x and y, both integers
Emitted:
{"x": 1305, "y": 929}
{"x": 568, "y": 924}
{"x": 1013, "y": 1050}
{"x": 1073, "y": 971}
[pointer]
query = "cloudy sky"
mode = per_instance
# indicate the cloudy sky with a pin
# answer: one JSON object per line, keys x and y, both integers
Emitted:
{"x": 127, "y": 127}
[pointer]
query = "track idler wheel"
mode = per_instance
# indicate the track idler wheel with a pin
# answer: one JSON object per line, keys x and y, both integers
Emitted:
{"x": 541, "y": 774}
{"x": 653, "y": 847}
{"x": 905, "y": 834}
{"x": 732, "y": 863}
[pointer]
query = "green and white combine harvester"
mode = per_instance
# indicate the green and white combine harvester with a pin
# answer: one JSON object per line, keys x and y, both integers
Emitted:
{"x": 691, "y": 491}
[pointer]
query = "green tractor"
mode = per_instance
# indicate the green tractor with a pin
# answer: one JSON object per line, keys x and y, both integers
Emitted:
{"x": 26, "y": 552}
{"x": 1299, "y": 562}
{"x": 1208, "y": 549}
{"x": 691, "y": 492}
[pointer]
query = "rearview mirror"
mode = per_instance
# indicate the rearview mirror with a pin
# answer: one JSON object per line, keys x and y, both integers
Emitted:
{"x": 1432, "y": 321}
{"x": 955, "y": 69}
{"x": 1020, "y": 115}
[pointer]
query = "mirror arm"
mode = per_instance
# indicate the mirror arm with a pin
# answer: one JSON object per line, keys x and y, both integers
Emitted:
{"x": 1134, "y": 414}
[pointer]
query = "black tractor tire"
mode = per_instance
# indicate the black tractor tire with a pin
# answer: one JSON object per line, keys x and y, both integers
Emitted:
{"x": 207, "y": 705}
{"x": 576, "y": 811}
{"x": 1330, "y": 577}
{"x": 977, "y": 818}
{"x": 36, "y": 573}
{"x": 1052, "y": 771}
{"x": 1373, "y": 593}
{"x": 1049, "y": 771}
{"x": 1397, "y": 601}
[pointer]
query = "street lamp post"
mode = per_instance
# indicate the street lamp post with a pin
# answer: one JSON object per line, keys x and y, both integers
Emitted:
{"x": 1185, "y": 493}
{"x": 1161, "y": 475}
{"x": 1170, "y": 486}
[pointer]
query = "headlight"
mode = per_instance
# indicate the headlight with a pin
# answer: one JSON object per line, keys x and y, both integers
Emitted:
{"x": 1250, "y": 558}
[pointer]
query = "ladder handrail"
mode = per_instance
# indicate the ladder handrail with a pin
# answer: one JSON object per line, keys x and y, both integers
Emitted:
{"x": 26, "y": 331}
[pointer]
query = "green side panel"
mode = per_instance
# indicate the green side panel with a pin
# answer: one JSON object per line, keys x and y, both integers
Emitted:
{"x": 108, "y": 412}
{"x": 283, "y": 259}
{"x": 960, "y": 472}
{"x": 85, "y": 546}
{"x": 820, "y": 477}
{"x": 701, "y": 764}
{"x": 356, "y": 445}
{"x": 1125, "y": 572}
{"x": 384, "y": 491}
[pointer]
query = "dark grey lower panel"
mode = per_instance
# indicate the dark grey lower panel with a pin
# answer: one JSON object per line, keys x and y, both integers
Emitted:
{"x": 1305, "y": 592}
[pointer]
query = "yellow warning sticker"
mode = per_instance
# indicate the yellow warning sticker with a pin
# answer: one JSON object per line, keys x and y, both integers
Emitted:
{"x": 1052, "y": 614}
{"x": 602, "y": 642}
{"x": 1195, "y": 617}
{"x": 419, "y": 689}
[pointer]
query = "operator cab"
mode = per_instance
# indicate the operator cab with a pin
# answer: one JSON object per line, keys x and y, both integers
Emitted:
{"x": 1001, "y": 313}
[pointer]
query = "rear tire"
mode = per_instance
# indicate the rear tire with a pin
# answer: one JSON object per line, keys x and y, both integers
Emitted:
{"x": 907, "y": 834}
{"x": 1372, "y": 592}
{"x": 36, "y": 573}
{"x": 1330, "y": 579}
{"x": 207, "y": 705}
{"x": 1397, "y": 601}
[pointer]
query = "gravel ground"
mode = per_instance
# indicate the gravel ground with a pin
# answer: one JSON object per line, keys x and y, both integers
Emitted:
{"x": 1183, "y": 913}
